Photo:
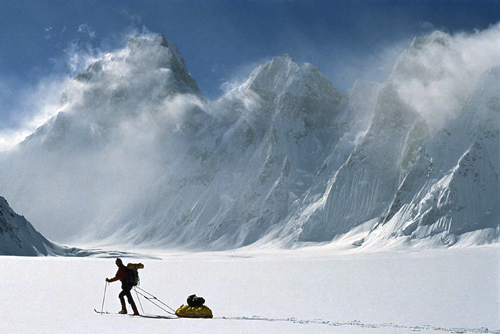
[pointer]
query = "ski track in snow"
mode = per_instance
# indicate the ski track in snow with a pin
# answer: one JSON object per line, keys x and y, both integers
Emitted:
{"x": 353, "y": 323}
{"x": 359, "y": 324}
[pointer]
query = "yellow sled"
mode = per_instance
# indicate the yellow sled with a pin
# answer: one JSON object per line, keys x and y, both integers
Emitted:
{"x": 186, "y": 311}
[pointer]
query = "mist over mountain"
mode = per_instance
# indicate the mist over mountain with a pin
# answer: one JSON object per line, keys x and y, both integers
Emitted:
{"x": 136, "y": 154}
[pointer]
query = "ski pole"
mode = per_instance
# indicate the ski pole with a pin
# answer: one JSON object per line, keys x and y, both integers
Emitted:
{"x": 104, "y": 297}
{"x": 138, "y": 299}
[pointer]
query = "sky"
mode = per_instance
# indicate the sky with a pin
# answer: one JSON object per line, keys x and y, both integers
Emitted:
{"x": 43, "y": 42}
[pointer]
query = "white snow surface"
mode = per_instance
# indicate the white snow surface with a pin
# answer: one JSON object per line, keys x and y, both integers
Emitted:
{"x": 309, "y": 290}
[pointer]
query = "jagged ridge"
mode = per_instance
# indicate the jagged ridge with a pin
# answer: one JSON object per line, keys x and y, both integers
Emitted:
{"x": 282, "y": 157}
{"x": 17, "y": 235}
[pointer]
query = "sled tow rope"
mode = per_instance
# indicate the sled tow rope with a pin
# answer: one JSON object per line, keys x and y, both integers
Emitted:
{"x": 152, "y": 299}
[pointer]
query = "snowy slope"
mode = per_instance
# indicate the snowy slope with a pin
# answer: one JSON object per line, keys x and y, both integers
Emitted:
{"x": 134, "y": 153}
{"x": 18, "y": 237}
{"x": 450, "y": 177}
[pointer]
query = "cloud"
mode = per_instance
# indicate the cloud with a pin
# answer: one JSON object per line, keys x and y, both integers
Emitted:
{"x": 85, "y": 29}
{"x": 135, "y": 19}
{"x": 33, "y": 106}
{"x": 48, "y": 34}
{"x": 437, "y": 74}
{"x": 11, "y": 137}
{"x": 107, "y": 137}
{"x": 78, "y": 57}
{"x": 29, "y": 106}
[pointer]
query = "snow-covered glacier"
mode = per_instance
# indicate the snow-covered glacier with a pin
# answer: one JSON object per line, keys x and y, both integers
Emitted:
{"x": 135, "y": 153}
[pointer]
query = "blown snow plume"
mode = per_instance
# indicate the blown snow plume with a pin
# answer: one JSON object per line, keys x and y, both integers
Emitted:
{"x": 136, "y": 154}
{"x": 116, "y": 123}
{"x": 436, "y": 75}
{"x": 426, "y": 170}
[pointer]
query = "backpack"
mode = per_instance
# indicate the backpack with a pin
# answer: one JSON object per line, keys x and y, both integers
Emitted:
{"x": 132, "y": 278}
{"x": 195, "y": 301}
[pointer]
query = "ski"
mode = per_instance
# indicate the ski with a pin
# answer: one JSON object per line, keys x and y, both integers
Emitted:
{"x": 151, "y": 316}
{"x": 115, "y": 313}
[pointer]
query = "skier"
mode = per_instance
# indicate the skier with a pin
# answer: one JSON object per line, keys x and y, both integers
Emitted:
{"x": 121, "y": 275}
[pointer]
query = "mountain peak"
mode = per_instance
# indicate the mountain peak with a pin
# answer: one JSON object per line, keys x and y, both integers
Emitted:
{"x": 137, "y": 42}
{"x": 135, "y": 156}
{"x": 161, "y": 53}
{"x": 142, "y": 55}
{"x": 283, "y": 75}
{"x": 115, "y": 88}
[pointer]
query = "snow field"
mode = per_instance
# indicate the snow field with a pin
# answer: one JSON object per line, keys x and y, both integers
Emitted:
{"x": 306, "y": 290}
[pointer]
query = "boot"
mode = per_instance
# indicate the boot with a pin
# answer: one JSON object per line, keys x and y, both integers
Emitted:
{"x": 124, "y": 310}
{"x": 134, "y": 308}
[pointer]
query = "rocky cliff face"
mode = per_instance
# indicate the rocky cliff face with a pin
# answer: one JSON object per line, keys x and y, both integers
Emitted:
{"x": 18, "y": 237}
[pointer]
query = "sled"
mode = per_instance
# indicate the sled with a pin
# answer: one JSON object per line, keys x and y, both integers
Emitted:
{"x": 186, "y": 311}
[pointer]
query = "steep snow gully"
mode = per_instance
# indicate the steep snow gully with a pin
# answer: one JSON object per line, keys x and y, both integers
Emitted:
{"x": 135, "y": 153}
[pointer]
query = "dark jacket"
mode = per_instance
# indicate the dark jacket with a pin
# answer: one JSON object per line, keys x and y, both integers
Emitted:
{"x": 121, "y": 275}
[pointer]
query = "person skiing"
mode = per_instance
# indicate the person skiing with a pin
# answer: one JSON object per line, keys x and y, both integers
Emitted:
{"x": 121, "y": 275}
